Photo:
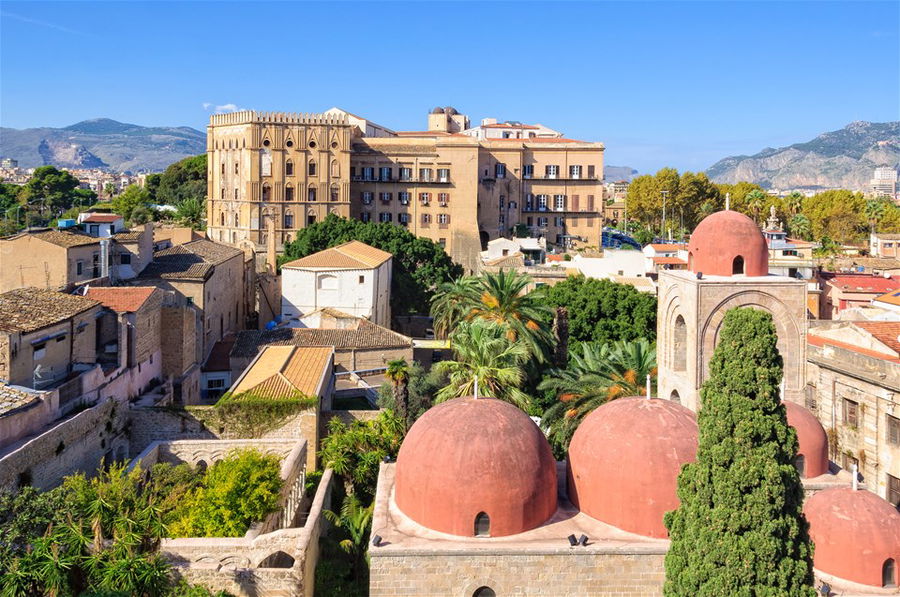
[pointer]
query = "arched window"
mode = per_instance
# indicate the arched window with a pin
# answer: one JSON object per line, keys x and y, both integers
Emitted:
{"x": 279, "y": 559}
{"x": 311, "y": 194}
{"x": 737, "y": 266}
{"x": 335, "y": 169}
{"x": 310, "y": 218}
{"x": 484, "y": 592}
{"x": 312, "y": 168}
{"x": 237, "y": 220}
{"x": 222, "y": 218}
{"x": 288, "y": 193}
{"x": 288, "y": 219}
{"x": 289, "y": 168}
{"x": 236, "y": 168}
{"x": 482, "y": 525}
{"x": 675, "y": 397}
{"x": 335, "y": 193}
{"x": 223, "y": 168}
{"x": 800, "y": 465}
{"x": 328, "y": 282}
{"x": 266, "y": 192}
{"x": 889, "y": 573}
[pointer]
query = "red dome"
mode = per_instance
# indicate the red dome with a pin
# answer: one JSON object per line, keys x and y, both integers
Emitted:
{"x": 811, "y": 437}
{"x": 467, "y": 457}
{"x": 624, "y": 461}
{"x": 726, "y": 243}
{"x": 855, "y": 533}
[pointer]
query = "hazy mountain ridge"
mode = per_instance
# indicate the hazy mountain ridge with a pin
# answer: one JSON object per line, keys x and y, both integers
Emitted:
{"x": 844, "y": 158}
{"x": 102, "y": 143}
{"x": 617, "y": 173}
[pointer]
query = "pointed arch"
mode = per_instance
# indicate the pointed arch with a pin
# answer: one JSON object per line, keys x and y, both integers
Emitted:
{"x": 288, "y": 192}
{"x": 288, "y": 167}
{"x": 311, "y": 168}
{"x": 335, "y": 169}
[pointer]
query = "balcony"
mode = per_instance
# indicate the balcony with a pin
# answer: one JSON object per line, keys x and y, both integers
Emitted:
{"x": 414, "y": 181}
{"x": 580, "y": 210}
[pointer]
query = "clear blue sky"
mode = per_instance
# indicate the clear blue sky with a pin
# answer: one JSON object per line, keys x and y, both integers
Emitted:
{"x": 661, "y": 83}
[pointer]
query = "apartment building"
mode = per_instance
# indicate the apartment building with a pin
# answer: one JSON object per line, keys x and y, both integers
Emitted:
{"x": 442, "y": 183}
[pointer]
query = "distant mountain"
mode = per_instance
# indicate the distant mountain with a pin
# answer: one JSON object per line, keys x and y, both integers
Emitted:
{"x": 616, "y": 173}
{"x": 841, "y": 159}
{"x": 102, "y": 143}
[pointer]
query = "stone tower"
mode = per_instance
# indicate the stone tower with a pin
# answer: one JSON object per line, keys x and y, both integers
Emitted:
{"x": 728, "y": 267}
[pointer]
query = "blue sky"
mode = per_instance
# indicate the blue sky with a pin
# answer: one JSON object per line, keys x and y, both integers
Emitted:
{"x": 660, "y": 83}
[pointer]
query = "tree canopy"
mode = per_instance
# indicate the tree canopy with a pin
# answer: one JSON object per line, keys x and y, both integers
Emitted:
{"x": 185, "y": 179}
{"x": 419, "y": 266}
{"x": 739, "y": 529}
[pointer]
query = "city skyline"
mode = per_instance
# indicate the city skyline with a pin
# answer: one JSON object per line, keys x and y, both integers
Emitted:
{"x": 733, "y": 62}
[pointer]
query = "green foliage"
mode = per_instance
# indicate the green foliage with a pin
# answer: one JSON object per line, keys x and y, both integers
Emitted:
{"x": 191, "y": 212}
{"x": 23, "y": 516}
{"x": 800, "y": 227}
{"x": 355, "y": 520}
{"x": 242, "y": 488}
{"x": 596, "y": 373}
{"x": 356, "y": 451}
{"x": 9, "y": 196}
{"x": 422, "y": 388}
{"x": 141, "y": 215}
{"x": 839, "y": 215}
{"x": 185, "y": 179}
{"x": 50, "y": 187}
{"x": 132, "y": 198}
{"x": 687, "y": 194}
{"x": 740, "y": 529}
{"x": 604, "y": 311}
{"x": 339, "y": 572}
{"x": 419, "y": 265}
{"x": 250, "y": 415}
{"x": 397, "y": 374}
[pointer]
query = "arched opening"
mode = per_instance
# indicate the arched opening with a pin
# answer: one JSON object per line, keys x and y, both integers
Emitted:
{"x": 484, "y": 237}
{"x": 800, "y": 465}
{"x": 482, "y": 525}
{"x": 279, "y": 559}
{"x": 737, "y": 266}
{"x": 222, "y": 218}
{"x": 310, "y": 218}
{"x": 266, "y": 192}
{"x": 288, "y": 219}
{"x": 288, "y": 192}
{"x": 312, "y": 168}
{"x": 679, "y": 345}
{"x": 289, "y": 168}
{"x": 690, "y": 261}
{"x": 335, "y": 193}
{"x": 335, "y": 169}
{"x": 201, "y": 465}
{"x": 484, "y": 592}
{"x": 889, "y": 573}
{"x": 675, "y": 397}
{"x": 237, "y": 220}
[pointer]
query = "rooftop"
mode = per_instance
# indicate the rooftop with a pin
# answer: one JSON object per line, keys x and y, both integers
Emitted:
{"x": 350, "y": 255}
{"x": 282, "y": 371}
{"x": 15, "y": 397}
{"x": 886, "y": 332}
{"x": 218, "y": 356}
{"x": 102, "y": 218}
{"x": 866, "y": 283}
{"x": 891, "y": 298}
{"x": 365, "y": 335}
{"x": 193, "y": 260}
{"x": 123, "y": 299}
{"x": 61, "y": 238}
{"x": 29, "y": 309}
{"x": 669, "y": 261}
{"x": 128, "y": 236}
{"x": 667, "y": 247}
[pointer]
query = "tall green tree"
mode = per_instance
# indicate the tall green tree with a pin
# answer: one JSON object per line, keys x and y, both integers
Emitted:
{"x": 740, "y": 528}
{"x": 756, "y": 201}
{"x": 800, "y": 227}
{"x": 129, "y": 200}
{"x": 185, "y": 179}
{"x": 191, "y": 212}
{"x": 683, "y": 195}
{"x": 450, "y": 303}
{"x": 794, "y": 202}
{"x": 875, "y": 210}
{"x": 51, "y": 189}
{"x": 355, "y": 520}
{"x": 398, "y": 374}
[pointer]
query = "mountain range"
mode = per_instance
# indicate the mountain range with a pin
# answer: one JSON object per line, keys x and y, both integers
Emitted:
{"x": 102, "y": 143}
{"x": 843, "y": 159}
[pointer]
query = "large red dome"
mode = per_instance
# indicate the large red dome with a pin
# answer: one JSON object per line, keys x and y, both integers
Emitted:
{"x": 624, "y": 461}
{"x": 470, "y": 457}
{"x": 812, "y": 439}
{"x": 855, "y": 532}
{"x": 728, "y": 243}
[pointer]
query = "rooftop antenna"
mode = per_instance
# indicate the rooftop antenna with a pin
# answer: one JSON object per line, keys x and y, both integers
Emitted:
{"x": 648, "y": 386}
{"x": 727, "y": 201}
{"x": 855, "y": 482}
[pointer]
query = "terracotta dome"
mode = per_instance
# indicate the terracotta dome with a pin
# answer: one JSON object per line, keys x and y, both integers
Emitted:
{"x": 812, "y": 440}
{"x": 624, "y": 461}
{"x": 728, "y": 243}
{"x": 856, "y": 533}
{"x": 467, "y": 458}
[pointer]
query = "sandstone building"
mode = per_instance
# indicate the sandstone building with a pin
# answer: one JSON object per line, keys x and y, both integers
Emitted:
{"x": 444, "y": 184}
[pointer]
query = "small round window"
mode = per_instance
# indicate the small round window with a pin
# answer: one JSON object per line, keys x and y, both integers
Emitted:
{"x": 290, "y": 143}
{"x": 334, "y": 144}
{"x": 312, "y": 143}
{"x": 266, "y": 143}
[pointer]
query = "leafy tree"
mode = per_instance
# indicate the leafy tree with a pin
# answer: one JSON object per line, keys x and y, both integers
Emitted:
{"x": 756, "y": 200}
{"x": 875, "y": 210}
{"x": 109, "y": 189}
{"x": 9, "y": 196}
{"x": 398, "y": 374}
{"x": 151, "y": 183}
{"x": 739, "y": 195}
{"x": 794, "y": 202}
{"x": 132, "y": 198}
{"x": 141, "y": 215}
{"x": 800, "y": 227}
{"x": 740, "y": 529}
{"x": 356, "y": 521}
{"x": 420, "y": 265}
{"x": 839, "y": 215}
{"x": 238, "y": 490}
{"x": 185, "y": 179}
{"x": 487, "y": 356}
{"x": 421, "y": 389}
{"x": 191, "y": 212}
{"x": 596, "y": 374}
{"x": 604, "y": 311}
{"x": 50, "y": 188}
{"x": 684, "y": 195}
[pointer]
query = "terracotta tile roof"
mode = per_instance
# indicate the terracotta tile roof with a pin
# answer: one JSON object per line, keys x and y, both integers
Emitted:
{"x": 123, "y": 299}
{"x": 351, "y": 255}
{"x": 102, "y": 218}
{"x": 367, "y": 335}
{"x": 129, "y": 236}
{"x": 218, "y": 356}
{"x": 512, "y": 260}
{"x": 61, "y": 238}
{"x": 669, "y": 261}
{"x": 15, "y": 397}
{"x": 666, "y": 247}
{"x": 29, "y": 309}
{"x": 886, "y": 332}
{"x": 866, "y": 283}
{"x": 281, "y": 371}
{"x": 194, "y": 260}
{"x": 891, "y": 298}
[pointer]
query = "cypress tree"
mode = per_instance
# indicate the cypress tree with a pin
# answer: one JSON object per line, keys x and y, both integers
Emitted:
{"x": 740, "y": 529}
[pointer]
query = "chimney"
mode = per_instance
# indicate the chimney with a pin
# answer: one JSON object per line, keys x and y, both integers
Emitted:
{"x": 855, "y": 482}
{"x": 271, "y": 261}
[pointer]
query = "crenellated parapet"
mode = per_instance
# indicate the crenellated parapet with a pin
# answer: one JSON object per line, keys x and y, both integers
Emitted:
{"x": 254, "y": 117}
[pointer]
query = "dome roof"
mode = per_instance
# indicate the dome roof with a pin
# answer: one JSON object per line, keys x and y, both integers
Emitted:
{"x": 438, "y": 110}
{"x": 812, "y": 440}
{"x": 855, "y": 533}
{"x": 468, "y": 457}
{"x": 624, "y": 461}
{"x": 728, "y": 242}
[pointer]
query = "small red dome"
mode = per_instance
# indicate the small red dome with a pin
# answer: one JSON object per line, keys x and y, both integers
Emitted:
{"x": 727, "y": 243}
{"x": 855, "y": 533}
{"x": 812, "y": 439}
{"x": 624, "y": 461}
{"x": 470, "y": 457}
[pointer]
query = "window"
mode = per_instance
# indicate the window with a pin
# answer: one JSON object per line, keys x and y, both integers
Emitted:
{"x": 529, "y": 202}
{"x": 528, "y": 171}
{"x": 266, "y": 192}
{"x": 335, "y": 169}
{"x": 551, "y": 171}
{"x": 223, "y": 169}
{"x": 444, "y": 174}
{"x": 312, "y": 169}
{"x": 365, "y": 216}
{"x": 235, "y": 168}
{"x": 590, "y": 203}
{"x": 443, "y": 199}
{"x": 500, "y": 170}
{"x": 385, "y": 197}
{"x": 893, "y": 490}
{"x": 367, "y": 196}
{"x": 482, "y": 525}
{"x": 335, "y": 194}
{"x": 237, "y": 220}
{"x": 442, "y": 242}
{"x": 425, "y": 198}
{"x": 591, "y": 172}
{"x": 443, "y": 218}
{"x": 502, "y": 201}
{"x": 574, "y": 171}
{"x": 288, "y": 220}
{"x": 39, "y": 350}
{"x": 289, "y": 168}
{"x": 289, "y": 143}
{"x": 559, "y": 222}
{"x": 529, "y": 221}
{"x": 405, "y": 173}
{"x": 311, "y": 194}
{"x": 222, "y": 194}
{"x": 893, "y": 430}
{"x": 542, "y": 222}
{"x": 368, "y": 173}
{"x": 851, "y": 413}
{"x": 737, "y": 266}
{"x": 426, "y": 219}
{"x": 403, "y": 196}
{"x": 384, "y": 216}
{"x": 575, "y": 202}
{"x": 679, "y": 345}
{"x": 288, "y": 193}
{"x": 385, "y": 173}
{"x": 542, "y": 202}
{"x": 425, "y": 174}
{"x": 501, "y": 220}
{"x": 94, "y": 229}
{"x": 215, "y": 384}
{"x": 559, "y": 202}
{"x": 362, "y": 279}
{"x": 889, "y": 573}
{"x": 328, "y": 282}
{"x": 403, "y": 218}
{"x": 125, "y": 258}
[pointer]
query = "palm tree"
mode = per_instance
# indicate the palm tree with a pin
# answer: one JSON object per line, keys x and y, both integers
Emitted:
{"x": 109, "y": 189}
{"x": 875, "y": 209}
{"x": 398, "y": 374}
{"x": 484, "y": 356}
{"x": 794, "y": 202}
{"x": 597, "y": 373}
{"x": 355, "y": 520}
{"x": 190, "y": 212}
{"x": 800, "y": 227}
{"x": 449, "y": 303}
{"x": 756, "y": 199}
